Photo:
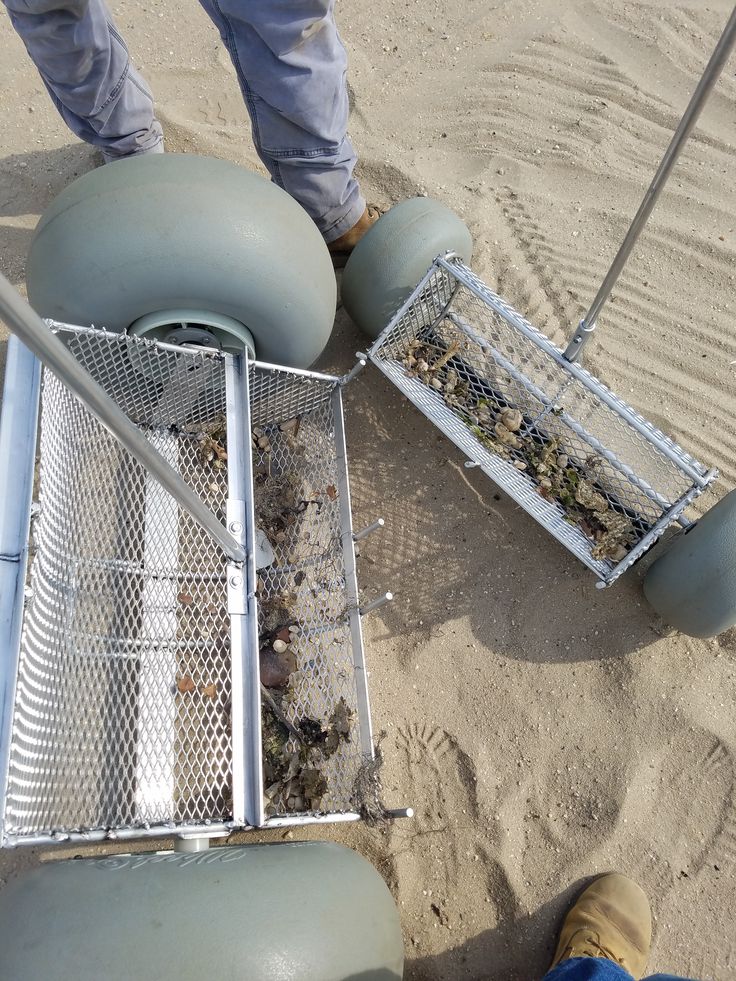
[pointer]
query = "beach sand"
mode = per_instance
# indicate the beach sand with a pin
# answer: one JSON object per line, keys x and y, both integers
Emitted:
{"x": 542, "y": 729}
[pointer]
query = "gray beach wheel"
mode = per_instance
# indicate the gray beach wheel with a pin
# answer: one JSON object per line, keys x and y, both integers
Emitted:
{"x": 394, "y": 255}
{"x": 307, "y": 910}
{"x": 186, "y": 249}
{"x": 692, "y": 585}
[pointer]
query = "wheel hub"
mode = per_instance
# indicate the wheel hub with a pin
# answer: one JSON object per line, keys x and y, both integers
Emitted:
{"x": 196, "y": 328}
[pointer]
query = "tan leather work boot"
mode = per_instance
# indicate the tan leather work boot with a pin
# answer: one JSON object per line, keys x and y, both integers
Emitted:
{"x": 611, "y": 919}
{"x": 341, "y": 248}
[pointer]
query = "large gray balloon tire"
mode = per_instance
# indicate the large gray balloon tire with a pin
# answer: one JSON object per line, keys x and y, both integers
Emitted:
{"x": 692, "y": 585}
{"x": 393, "y": 256}
{"x": 309, "y": 911}
{"x": 150, "y": 241}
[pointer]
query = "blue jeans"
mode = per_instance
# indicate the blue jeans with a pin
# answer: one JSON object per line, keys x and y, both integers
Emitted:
{"x": 597, "y": 969}
{"x": 290, "y": 63}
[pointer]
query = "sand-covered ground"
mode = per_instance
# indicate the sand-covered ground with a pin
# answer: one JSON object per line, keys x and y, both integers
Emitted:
{"x": 543, "y": 730}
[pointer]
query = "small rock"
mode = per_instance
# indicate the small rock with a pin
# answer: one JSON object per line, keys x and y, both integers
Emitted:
{"x": 436, "y": 384}
{"x": 280, "y": 646}
{"x": 276, "y": 668}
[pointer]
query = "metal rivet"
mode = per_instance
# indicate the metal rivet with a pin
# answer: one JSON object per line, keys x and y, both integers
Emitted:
{"x": 236, "y": 527}
{"x": 236, "y": 581}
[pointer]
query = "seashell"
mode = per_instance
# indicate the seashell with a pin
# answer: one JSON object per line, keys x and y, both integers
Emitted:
{"x": 506, "y": 436}
{"x": 512, "y": 419}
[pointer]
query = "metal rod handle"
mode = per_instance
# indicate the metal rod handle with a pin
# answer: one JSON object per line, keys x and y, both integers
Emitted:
{"x": 50, "y": 350}
{"x": 699, "y": 96}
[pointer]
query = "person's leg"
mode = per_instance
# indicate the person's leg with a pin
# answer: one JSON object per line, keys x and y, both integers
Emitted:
{"x": 594, "y": 969}
{"x": 291, "y": 65}
{"x": 587, "y": 969}
{"x": 85, "y": 65}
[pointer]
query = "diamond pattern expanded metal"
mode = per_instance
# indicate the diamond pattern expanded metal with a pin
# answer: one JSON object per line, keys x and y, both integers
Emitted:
{"x": 306, "y": 586}
{"x": 505, "y": 363}
{"x": 122, "y": 717}
{"x": 122, "y": 706}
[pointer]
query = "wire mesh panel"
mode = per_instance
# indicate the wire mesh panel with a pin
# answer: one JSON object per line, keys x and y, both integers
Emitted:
{"x": 122, "y": 703}
{"x": 307, "y": 594}
{"x": 124, "y": 697}
{"x": 584, "y": 464}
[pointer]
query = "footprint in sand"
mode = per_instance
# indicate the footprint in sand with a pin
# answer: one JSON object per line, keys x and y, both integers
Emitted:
{"x": 688, "y": 838}
{"x": 679, "y": 812}
{"x": 663, "y": 821}
{"x": 438, "y": 856}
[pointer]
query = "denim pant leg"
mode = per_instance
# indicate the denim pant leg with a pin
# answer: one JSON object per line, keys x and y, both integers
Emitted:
{"x": 292, "y": 67}
{"x": 85, "y": 65}
{"x": 597, "y": 969}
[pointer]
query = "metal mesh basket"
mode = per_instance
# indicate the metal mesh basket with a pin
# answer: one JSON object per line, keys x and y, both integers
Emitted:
{"x": 619, "y": 481}
{"x": 137, "y": 703}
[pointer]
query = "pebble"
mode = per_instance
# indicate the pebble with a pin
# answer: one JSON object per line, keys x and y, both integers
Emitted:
{"x": 280, "y": 646}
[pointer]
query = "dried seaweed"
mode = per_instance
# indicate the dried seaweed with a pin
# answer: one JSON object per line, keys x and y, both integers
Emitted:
{"x": 574, "y": 485}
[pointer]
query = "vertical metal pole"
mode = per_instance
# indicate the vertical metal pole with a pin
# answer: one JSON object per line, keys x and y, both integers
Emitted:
{"x": 699, "y": 97}
{"x": 247, "y": 763}
{"x": 17, "y": 444}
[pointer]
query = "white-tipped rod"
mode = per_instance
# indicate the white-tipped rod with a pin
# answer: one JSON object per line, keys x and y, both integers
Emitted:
{"x": 374, "y": 604}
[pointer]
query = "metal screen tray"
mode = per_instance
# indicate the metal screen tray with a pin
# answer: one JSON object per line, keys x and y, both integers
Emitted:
{"x": 131, "y": 702}
{"x": 505, "y": 363}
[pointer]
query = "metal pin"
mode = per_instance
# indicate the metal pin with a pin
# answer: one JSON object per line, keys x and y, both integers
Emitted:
{"x": 360, "y": 535}
{"x": 374, "y": 604}
{"x": 400, "y": 812}
{"x": 356, "y": 369}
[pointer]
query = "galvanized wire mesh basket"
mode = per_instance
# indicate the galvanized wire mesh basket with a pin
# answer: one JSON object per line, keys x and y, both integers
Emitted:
{"x": 137, "y": 708}
{"x": 586, "y": 466}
